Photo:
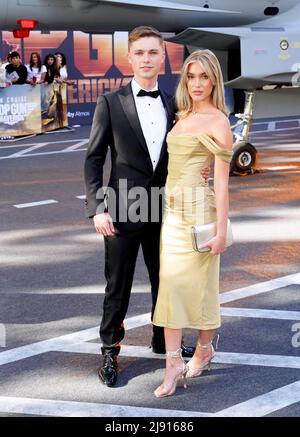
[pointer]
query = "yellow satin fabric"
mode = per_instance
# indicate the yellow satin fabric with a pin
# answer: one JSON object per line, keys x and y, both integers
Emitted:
{"x": 188, "y": 294}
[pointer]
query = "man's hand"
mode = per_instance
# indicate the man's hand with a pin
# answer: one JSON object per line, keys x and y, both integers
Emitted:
{"x": 104, "y": 224}
{"x": 205, "y": 173}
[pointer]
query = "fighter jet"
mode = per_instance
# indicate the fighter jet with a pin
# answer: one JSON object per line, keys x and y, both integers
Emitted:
{"x": 167, "y": 16}
{"x": 257, "y": 43}
{"x": 262, "y": 58}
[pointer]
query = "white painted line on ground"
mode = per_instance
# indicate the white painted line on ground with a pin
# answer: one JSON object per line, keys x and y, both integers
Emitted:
{"x": 225, "y": 297}
{"x": 258, "y": 406}
{"x": 257, "y": 313}
{"x": 29, "y": 205}
{"x": 43, "y": 407}
{"x": 126, "y": 350}
{"x": 282, "y": 361}
{"x": 56, "y": 143}
{"x": 22, "y": 352}
{"x": 280, "y": 224}
{"x": 23, "y": 152}
{"x": 84, "y": 289}
{"x": 75, "y": 146}
{"x": 137, "y": 321}
{"x": 267, "y": 230}
{"x": 255, "y": 407}
{"x": 18, "y": 145}
{"x": 76, "y": 342}
{"x": 284, "y": 161}
{"x": 278, "y": 212}
{"x": 284, "y": 120}
{"x": 30, "y": 350}
{"x": 282, "y": 167}
{"x": 234, "y": 358}
{"x": 262, "y": 287}
{"x": 42, "y": 154}
{"x": 276, "y": 130}
{"x": 272, "y": 125}
{"x": 265, "y": 404}
{"x": 282, "y": 146}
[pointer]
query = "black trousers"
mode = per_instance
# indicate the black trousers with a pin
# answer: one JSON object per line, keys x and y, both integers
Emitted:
{"x": 121, "y": 253}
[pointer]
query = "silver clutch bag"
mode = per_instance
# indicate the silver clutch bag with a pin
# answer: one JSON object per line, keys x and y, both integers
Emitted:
{"x": 203, "y": 233}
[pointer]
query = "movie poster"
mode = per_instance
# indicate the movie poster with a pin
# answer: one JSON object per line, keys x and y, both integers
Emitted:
{"x": 54, "y": 106}
{"x": 96, "y": 63}
{"x": 20, "y": 110}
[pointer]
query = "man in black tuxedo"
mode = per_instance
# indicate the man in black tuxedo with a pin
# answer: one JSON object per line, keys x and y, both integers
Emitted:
{"x": 133, "y": 122}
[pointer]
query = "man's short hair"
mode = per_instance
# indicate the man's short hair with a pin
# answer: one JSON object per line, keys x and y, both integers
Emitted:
{"x": 142, "y": 32}
{"x": 13, "y": 55}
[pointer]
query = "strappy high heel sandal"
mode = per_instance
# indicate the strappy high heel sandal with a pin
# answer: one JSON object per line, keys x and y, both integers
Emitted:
{"x": 169, "y": 389}
{"x": 205, "y": 365}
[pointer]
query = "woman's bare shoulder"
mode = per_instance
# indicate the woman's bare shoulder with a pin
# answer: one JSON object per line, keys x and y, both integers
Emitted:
{"x": 221, "y": 130}
{"x": 220, "y": 118}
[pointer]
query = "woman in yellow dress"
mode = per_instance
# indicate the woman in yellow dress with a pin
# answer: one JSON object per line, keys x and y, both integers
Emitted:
{"x": 188, "y": 294}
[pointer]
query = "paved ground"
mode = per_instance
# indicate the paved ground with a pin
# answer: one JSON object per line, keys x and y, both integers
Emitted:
{"x": 52, "y": 287}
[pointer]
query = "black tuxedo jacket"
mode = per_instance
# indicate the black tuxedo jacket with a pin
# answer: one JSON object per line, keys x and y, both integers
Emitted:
{"x": 116, "y": 125}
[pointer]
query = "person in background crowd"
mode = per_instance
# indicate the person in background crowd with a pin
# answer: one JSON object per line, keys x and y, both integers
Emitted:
{"x": 16, "y": 72}
{"x": 8, "y": 58}
{"x": 4, "y": 83}
{"x": 62, "y": 68}
{"x": 51, "y": 69}
{"x": 2, "y": 74}
{"x": 36, "y": 71}
{"x": 5, "y": 63}
{"x": 2, "y": 66}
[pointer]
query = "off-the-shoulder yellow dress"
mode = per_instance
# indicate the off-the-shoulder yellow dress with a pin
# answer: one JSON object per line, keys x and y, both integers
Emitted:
{"x": 188, "y": 295}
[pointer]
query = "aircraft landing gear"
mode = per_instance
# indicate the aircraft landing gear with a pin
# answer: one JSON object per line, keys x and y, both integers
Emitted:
{"x": 244, "y": 159}
{"x": 245, "y": 155}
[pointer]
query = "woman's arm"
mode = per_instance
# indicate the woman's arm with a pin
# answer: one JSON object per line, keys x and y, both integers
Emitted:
{"x": 64, "y": 76}
{"x": 43, "y": 75}
{"x": 223, "y": 137}
{"x": 221, "y": 176}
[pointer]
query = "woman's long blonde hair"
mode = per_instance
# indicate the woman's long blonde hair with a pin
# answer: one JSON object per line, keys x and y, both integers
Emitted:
{"x": 211, "y": 65}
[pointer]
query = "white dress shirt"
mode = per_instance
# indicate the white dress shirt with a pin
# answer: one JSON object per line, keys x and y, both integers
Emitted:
{"x": 153, "y": 120}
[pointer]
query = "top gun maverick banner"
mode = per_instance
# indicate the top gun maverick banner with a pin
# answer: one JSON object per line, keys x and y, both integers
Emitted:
{"x": 96, "y": 62}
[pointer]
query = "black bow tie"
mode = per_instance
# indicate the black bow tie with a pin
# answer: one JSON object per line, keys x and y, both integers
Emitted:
{"x": 153, "y": 94}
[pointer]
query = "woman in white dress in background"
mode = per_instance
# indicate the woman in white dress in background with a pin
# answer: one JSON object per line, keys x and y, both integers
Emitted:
{"x": 36, "y": 71}
{"x": 61, "y": 65}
